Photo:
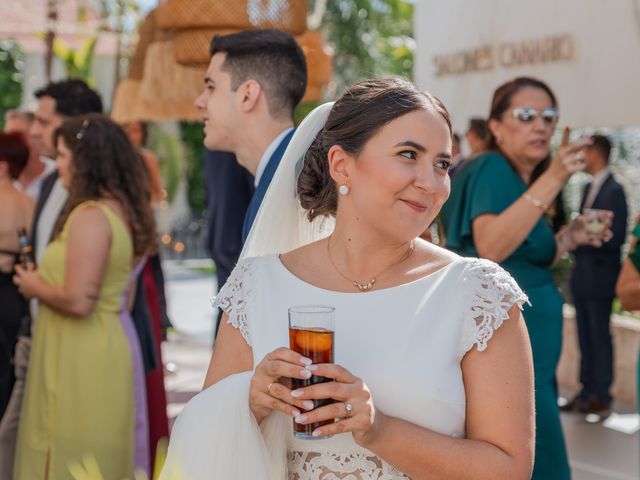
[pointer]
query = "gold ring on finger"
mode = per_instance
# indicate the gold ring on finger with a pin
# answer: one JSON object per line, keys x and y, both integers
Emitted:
{"x": 349, "y": 408}
{"x": 269, "y": 388}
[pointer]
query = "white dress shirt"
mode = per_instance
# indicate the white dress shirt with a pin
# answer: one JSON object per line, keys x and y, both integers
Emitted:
{"x": 33, "y": 189}
{"x": 44, "y": 229}
{"x": 266, "y": 156}
{"x": 596, "y": 184}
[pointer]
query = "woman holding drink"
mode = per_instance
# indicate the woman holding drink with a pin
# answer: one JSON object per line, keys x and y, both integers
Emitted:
{"x": 497, "y": 211}
{"x": 432, "y": 375}
{"x": 82, "y": 399}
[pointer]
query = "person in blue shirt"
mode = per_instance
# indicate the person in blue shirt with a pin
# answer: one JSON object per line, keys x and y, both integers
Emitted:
{"x": 253, "y": 83}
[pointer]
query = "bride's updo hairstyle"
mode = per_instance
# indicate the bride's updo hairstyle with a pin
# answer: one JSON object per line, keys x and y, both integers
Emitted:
{"x": 356, "y": 116}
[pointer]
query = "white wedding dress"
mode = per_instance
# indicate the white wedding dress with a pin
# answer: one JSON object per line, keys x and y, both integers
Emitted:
{"x": 405, "y": 342}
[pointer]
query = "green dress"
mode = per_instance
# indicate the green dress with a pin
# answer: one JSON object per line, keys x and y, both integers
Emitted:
{"x": 634, "y": 257}
{"x": 79, "y": 400}
{"x": 489, "y": 184}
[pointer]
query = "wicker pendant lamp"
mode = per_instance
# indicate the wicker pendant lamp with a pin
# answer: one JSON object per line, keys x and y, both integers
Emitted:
{"x": 168, "y": 66}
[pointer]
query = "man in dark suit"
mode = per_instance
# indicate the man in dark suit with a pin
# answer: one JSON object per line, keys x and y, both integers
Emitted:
{"x": 229, "y": 188}
{"x": 57, "y": 101}
{"x": 254, "y": 81}
{"x": 593, "y": 283}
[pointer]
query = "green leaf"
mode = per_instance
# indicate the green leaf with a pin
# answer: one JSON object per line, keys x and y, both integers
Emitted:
{"x": 61, "y": 50}
{"x": 84, "y": 57}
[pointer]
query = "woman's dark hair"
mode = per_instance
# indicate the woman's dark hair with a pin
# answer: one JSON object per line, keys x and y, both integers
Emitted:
{"x": 361, "y": 111}
{"x": 105, "y": 165}
{"x": 14, "y": 151}
{"x": 479, "y": 128}
{"x": 144, "y": 130}
{"x": 504, "y": 93}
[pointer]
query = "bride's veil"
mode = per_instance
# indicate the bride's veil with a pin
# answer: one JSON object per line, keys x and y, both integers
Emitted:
{"x": 206, "y": 441}
{"x": 281, "y": 224}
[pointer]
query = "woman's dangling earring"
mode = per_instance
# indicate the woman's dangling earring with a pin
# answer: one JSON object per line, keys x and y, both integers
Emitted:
{"x": 343, "y": 189}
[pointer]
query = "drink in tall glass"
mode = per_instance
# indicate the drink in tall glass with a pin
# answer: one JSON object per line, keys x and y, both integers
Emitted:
{"x": 311, "y": 334}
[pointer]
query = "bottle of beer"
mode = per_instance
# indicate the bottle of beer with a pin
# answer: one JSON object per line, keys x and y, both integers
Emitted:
{"x": 26, "y": 250}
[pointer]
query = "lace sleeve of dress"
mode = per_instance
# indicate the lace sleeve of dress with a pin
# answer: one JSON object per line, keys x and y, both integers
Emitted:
{"x": 491, "y": 294}
{"x": 234, "y": 297}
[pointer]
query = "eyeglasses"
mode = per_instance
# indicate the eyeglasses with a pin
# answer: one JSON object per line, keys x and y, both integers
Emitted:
{"x": 528, "y": 114}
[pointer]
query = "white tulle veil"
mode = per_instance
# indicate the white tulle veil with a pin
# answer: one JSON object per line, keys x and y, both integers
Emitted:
{"x": 216, "y": 435}
{"x": 281, "y": 224}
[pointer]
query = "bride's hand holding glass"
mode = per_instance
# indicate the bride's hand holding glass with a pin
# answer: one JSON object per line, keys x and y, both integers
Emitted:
{"x": 354, "y": 409}
{"x": 266, "y": 394}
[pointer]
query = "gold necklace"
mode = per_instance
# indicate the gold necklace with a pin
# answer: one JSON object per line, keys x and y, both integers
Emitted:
{"x": 366, "y": 286}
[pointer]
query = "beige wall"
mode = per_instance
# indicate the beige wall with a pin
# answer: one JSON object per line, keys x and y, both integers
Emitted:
{"x": 597, "y": 86}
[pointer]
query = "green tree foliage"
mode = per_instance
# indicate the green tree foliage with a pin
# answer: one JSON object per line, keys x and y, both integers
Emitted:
{"x": 371, "y": 38}
{"x": 11, "y": 64}
{"x": 77, "y": 63}
{"x": 170, "y": 152}
{"x": 193, "y": 139}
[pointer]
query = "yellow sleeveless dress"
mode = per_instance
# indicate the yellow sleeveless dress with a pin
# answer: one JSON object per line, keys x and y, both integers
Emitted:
{"x": 79, "y": 400}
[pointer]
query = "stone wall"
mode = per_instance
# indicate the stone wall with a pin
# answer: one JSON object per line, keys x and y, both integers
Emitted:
{"x": 626, "y": 344}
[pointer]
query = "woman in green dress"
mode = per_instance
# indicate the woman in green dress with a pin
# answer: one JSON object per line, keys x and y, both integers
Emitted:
{"x": 496, "y": 211}
{"x": 79, "y": 396}
{"x": 628, "y": 285}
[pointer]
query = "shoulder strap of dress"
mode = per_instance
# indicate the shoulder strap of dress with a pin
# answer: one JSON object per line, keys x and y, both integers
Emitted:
{"x": 80, "y": 206}
{"x": 491, "y": 293}
{"x": 112, "y": 217}
{"x": 236, "y": 295}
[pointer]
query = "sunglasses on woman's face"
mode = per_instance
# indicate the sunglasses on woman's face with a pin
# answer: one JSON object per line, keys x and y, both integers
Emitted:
{"x": 528, "y": 115}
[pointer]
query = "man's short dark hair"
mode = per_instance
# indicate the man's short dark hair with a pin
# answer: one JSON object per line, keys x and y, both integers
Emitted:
{"x": 479, "y": 128}
{"x": 270, "y": 57}
{"x": 603, "y": 145}
{"x": 73, "y": 97}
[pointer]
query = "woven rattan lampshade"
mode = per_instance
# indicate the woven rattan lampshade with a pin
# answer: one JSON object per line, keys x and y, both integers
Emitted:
{"x": 192, "y": 48}
{"x": 289, "y": 15}
{"x": 169, "y": 63}
{"x": 130, "y": 105}
{"x": 192, "y": 45}
{"x": 166, "y": 80}
{"x": 319, "y": 58}
{"x": 145, "y": 37}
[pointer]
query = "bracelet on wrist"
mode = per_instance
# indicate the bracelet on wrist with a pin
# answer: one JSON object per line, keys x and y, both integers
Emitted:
{"x": 535, "y": 202}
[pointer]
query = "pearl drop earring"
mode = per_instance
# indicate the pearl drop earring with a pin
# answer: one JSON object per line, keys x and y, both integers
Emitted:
{"x": 343, "y": 189}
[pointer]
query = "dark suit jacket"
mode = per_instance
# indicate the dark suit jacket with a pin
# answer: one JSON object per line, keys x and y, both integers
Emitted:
{"x": 596, "y": 269}
{"x": 229, "y": 188}
{"x": 45, "y": 190}
{"x": 265, "y": 180}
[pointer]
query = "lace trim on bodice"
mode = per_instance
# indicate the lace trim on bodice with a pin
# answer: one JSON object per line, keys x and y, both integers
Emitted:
{"x": 339, "y": 466}
{"x": 233, "y": 297}
{"x": 492, "y": 293}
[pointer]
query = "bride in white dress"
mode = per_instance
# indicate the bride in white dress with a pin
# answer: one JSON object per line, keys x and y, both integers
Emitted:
{"x": 433, "y": 374}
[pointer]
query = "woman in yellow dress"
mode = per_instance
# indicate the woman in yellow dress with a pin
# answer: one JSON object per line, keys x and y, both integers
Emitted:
{"x": 79, "y": 397}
